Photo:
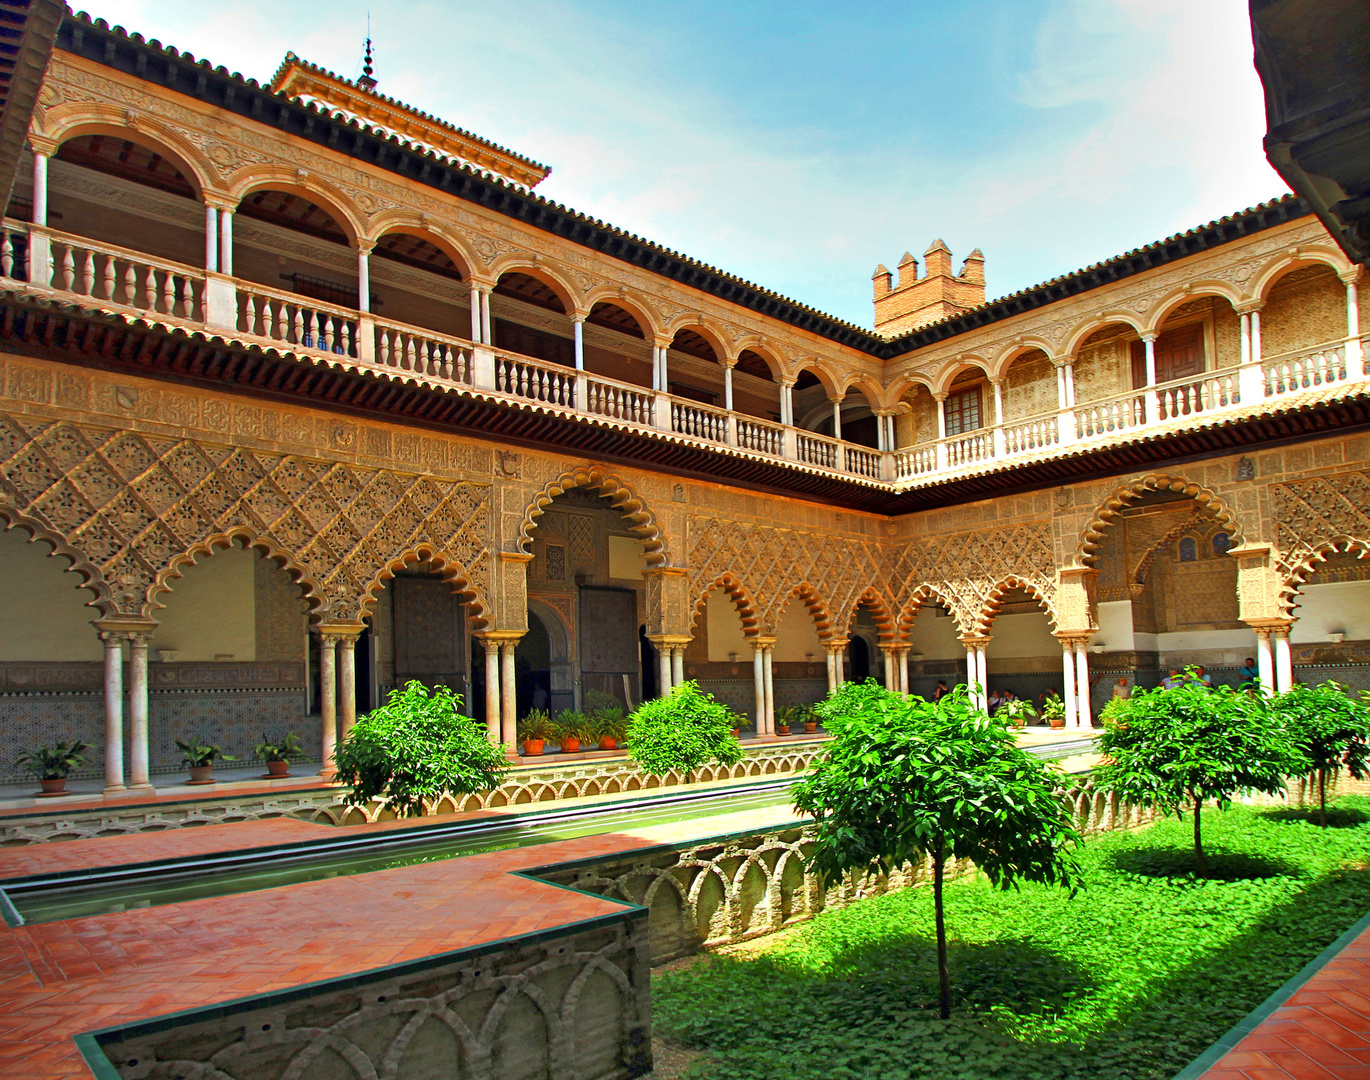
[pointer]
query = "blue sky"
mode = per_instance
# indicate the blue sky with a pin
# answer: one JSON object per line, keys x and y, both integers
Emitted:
{"x": 798, "y": 144}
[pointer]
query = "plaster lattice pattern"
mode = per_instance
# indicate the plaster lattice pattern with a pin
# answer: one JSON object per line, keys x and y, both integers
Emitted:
{"x": 576, "y": 1005}
{"x": 130, "y": 507}
{"x": 1312, "y": 516}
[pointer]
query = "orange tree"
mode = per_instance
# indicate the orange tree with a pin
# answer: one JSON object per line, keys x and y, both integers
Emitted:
{"x": 682, "y": 731}
{"x": 906, "y": 781}
{"x": 1180, "y": 748}
{"x": 1331, "y": 728}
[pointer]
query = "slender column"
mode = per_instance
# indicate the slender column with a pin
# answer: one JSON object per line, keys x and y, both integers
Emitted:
{"x": 836, "y": 417}
{"x": 1244, "y": 320}
{"x": 665, "y": 369}
{"x": 40, "y": 188}
{"x": 114, "y": 711}
{"x": 226, "y": 241}
{"x": 1355, "y": 355}
{"x": 770, "y": 690}
{"x": 1284, "y": 659}
{"x": 328, "y": 698}
{"x": 903, "y": 671}
{"x": 578, "y": 331}
{"x": 363, "y": 276}
{"x": 728, "y": 387}
{"x": 663, "y": 666}
{"x": 982, "y": 672}
{"x": 492, "y": 710}
{"x": 941, "y": 400}
{"x": 475, "y": 314}
{"x": 1265, "y": 661}
{"x": 759, "y": 677}
{"x": 211, "y": 238}
{"x": 508, "y": 698}
{"x": 1068, "y": 682}
{"x": 137, "y": 712}
{"x": 677, "y": 665}
{"x": 1256, "y": 354}
{"x": 1084, "y": 714}
{"x": 1070, "y": 383}
{"x": 972, "y": 671}
{"x": 485, "y": 335}
{"x": 832, "y": 667}
{"x": 787, "y": 403}
{"x": 1153, "y": 399}
{"x": 891, "y": 669}
{"x": 999, "y": 447}
{"x": 347, "y": 684}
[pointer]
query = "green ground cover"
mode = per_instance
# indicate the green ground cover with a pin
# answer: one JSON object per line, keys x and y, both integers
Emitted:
{"x": 1130, "y": 980}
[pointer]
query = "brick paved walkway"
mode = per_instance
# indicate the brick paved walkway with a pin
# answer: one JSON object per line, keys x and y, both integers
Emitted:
{"x": 1318, "y": 1029}
{"x": 59, "y": 979}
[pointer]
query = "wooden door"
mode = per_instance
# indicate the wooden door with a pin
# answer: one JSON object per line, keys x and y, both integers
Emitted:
{"x": 609, "y": 642}
{"x": 1179, "y": 355}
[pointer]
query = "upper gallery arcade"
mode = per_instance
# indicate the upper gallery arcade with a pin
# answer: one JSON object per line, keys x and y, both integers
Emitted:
{"x": 302, "y": 355}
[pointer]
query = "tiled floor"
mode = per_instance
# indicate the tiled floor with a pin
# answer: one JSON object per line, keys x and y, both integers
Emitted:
{"x": 1321, "y": 1032}
{"x": 59, "y": 979}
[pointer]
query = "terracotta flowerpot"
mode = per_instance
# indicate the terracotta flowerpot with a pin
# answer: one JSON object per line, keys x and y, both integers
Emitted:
{"x": 570, "y": 745}
{"x": 532, "y": 747}
{"x": 278, "y": 768}
{"x": 56, "y": 786}
{"x": 1058, "y": 722}
{"x": 199, "y": 774}
{"x": 782, "y": 729}
{"x": 608, "y": 743}
{"x": 810, "y": 727}
{"x": 736, "y": 732}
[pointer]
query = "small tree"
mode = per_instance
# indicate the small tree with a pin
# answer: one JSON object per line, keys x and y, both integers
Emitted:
{"x": 417, "y": 746}
{"x": 682, "y": 731}
{"x": 906, "y": 780}
{"x": 1180, "y": 748}
{"x": 1331, "y": 728}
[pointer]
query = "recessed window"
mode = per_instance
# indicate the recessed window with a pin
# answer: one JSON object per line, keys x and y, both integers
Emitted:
{"x": 1221, "y": 543}
{"x": 1189, "y": 549}
{"x": 963, "y": 411}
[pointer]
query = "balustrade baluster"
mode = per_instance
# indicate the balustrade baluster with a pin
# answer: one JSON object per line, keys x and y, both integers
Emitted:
{"x": 68, "y": 269}
{"x": 150, "y": 289}
{"x": 107, "y": 279}
{"x": 168, "y": 293}
{"x": 7, "y": 256}
{"x": 88, "y": 274}
{"x": 130, "y": 285}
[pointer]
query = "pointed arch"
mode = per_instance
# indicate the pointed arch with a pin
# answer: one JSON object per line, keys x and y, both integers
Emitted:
{"x": 1298, "y": 575}
{"x": 920, "y": 596}
{"x": 104, "y": 601}
{"x": 627, "y": 502}
{"x": 1086, "y": 550}
{"x": 264, "y": 546}
{"x": 883, "y": 609}
{"x": 738, "y": 593}
{"x": 989, "y": 611}
{"x": 448, "y": 568}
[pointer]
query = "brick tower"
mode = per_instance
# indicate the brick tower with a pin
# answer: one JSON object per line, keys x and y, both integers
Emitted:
{"x": 917, "y": 301}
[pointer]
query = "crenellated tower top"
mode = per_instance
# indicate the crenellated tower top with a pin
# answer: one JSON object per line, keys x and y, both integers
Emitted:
{"x": 917, "y": 301}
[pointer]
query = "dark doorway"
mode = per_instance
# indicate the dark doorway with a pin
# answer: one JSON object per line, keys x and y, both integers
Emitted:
{"x": 430, "y": 632}
{"x": 533, "y": 668}
{"x": 610, "y": 655}
{"x": 858, "y": 660}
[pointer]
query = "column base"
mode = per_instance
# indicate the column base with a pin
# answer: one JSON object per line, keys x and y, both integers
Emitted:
{"x": 114, "y": 789}
{"x": 141, "y": 788}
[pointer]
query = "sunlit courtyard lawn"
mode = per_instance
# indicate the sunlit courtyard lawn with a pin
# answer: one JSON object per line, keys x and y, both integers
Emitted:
{"x": 1131, "y": 979}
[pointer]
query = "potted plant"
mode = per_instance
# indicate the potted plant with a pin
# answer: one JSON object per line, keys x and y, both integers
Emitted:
{"x": 278, "y": 756}
{"x": 572, "y": 729}
{"x": 534, "y": 730}
{"x": 199, "y": 757}
{"x": 1019, "y": 712}
{"x": 785, "y": 717}
{"x": 52, "y": 764}
{"x": 610, "y": 727}
{"x": 810, "y": 721}
{"x": 1054, "y": 711}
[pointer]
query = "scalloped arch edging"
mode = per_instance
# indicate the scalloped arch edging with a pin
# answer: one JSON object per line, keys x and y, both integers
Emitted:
{"x": 624, "y": 499}
{"x": 1091, "y": 537}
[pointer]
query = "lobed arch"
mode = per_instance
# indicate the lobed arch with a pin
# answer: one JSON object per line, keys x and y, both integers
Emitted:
{"x": 885, "y": 621}
{"x": 645, "y": 525}
{"x": 518, "y": 263}
{"x": 942, "y": 380}
{"x": 1077, "y": 337}
{"x": 310, "y": 590}
{"x": 1194, "y": 290}
{"x": 350, "y": 217}
{"x": 736, "y": 591}
{"x": 814, "y": 602}
{"x": 924, "y": 593}
{"x": 1296, "y": 259}
{"x": 989, "y": 610}
{"x": 1086, "y": 549}
{"x": 105, "y": 601}
{"x": 449, "y": 569}
{"x": 1298, "y": 575}
{"x": 72, "y": 120}
{"x": 451, "y": 245}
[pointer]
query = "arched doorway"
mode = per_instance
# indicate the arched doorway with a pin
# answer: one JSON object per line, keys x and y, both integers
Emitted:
{"x": 533, "y": 668}
{"x": 1023, "y": 656}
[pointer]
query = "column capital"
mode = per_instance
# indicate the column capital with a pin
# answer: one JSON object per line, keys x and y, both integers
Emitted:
{"x": 1073, "y": 638}
{"x": 666, "y": 571}
{"x": 215, "y": 201}
{"x": 1150, "y": 335}
{"x": 499, "y": 635}
{"x": 1062, "y": 361}
{"x": 1352, "y": 276}
{"x": 365, "y": 245}
{"x": 833, "y": 645}
{"x": 760, "y": 642}
{"x": 670, "y": 641}
{"x": 1270, "y": 625}
{"x": 41, "y": 144}
{"x": 1248, "y": 307}
{"x": 340, "y": 630}
{"x": 975, "y": 641}
{"x": 940, "y": 395}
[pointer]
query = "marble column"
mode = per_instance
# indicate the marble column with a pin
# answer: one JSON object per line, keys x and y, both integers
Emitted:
{"x": 972, "y": 672}
{"x": 492, "y": 709}
{"x": 832, "y": 667}
{"x": 114, "y": 711}
{"x": 1084, "y": 713}
{"x": 759, "y": 677}
{"x": 663, "y": 667}
{"x": 226, "y": 241}
{"x": 137, "y": 712}
{"x": 891, "y": 668}
{"x": 1068, "y": 697}
{"x": 1265, "y": 661}
{"x": 475, "y": 314}
{"x": 982, "y": 672}
{"x": 328, "y": 699}
{"x": 1284, "y": 659}
{"x": 347, "y": 684}
{"x": 903, "y": 670}
{"x": 578, "y": 332}
{"x": 211, "y": 238}
{"x": 770, "y": 690}
{"x": 677, "y": 665}
{"x": 508, "y": 698}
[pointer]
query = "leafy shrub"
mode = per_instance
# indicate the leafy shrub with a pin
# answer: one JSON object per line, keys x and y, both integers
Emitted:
{"x": 1331, "y": 728}
{"x": 682, "y": 731}
{"x": 417, "y": 746}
